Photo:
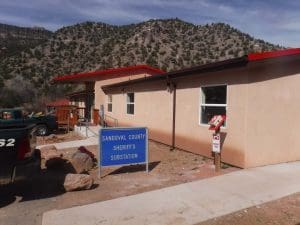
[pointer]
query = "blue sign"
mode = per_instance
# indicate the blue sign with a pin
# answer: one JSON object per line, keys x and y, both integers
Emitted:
{"x": 123, "y": 146}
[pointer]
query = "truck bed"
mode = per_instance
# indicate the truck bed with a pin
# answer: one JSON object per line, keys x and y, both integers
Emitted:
{"x": 13, "y": 140}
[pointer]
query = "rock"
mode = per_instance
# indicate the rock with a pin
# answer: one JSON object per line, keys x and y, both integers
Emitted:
{"x": 81, "y": 162}
{"x": 49, "y": 152}
{"x": 53, "y": 158}
{"x": 84, "y": 150}
{"x": 77, "y": 182}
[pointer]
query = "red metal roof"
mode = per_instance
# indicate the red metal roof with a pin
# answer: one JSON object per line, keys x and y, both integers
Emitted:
{"x": 79, "y": 77}
{"x": 59, "y": 102}
{"x": 211, "y": 67}
{"x": 273, "y": 54}
{"x": 125, "y": 71}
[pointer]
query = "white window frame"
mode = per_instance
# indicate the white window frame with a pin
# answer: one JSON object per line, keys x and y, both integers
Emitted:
{"x": 109, "y": 101}
{"x": 215, "y": 105}
{"x": 130, "y": 103}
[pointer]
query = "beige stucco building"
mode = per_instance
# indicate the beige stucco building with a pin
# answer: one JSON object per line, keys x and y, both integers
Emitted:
{"x": 93, "y": 97}
{"x": 258, "y": 93}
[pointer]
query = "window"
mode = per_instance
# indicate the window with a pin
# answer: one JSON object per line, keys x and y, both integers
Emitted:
{"x": 130, "y": 103}
{"x": 18, "y": 114}
{"x": 6, "y": 115}
{"x": 109, "y": 103}
{"x": 213, "y": 102}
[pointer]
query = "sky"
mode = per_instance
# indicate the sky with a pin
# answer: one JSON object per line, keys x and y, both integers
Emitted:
{"x": 276, "y": 21}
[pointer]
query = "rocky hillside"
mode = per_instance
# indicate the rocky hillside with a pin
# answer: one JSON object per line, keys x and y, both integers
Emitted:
{"x": 15, "y": 39}
{"x": 168, "y": 44}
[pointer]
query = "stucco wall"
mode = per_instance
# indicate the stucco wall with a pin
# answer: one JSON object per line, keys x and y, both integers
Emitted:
{"x": 153, "y": 109}
{"x": 263, "y": 105}
{"x": 192, "y": 136}
{"x": 100, "y": 97}
{"x": 273, "y": 111}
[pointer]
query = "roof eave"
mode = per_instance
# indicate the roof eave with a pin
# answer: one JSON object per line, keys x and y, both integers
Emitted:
{"x": 93, "y": 76}
{"x": 212, "y": 67}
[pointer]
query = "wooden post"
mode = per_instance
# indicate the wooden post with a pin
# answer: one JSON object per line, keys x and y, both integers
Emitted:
{"x": 217, "y": 158}
{"x": 173, "y": 116}
{"x": 68, "y": 129}
{"x": 217, "y": 162}
{"x": 215, "y": 125}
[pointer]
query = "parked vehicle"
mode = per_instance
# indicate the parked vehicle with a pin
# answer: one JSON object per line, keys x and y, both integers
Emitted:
{"x": 44, "y": 123}
{"x": 19, "y": 158}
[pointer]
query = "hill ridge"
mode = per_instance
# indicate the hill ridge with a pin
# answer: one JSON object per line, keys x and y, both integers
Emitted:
{"x": 169, "y": 44}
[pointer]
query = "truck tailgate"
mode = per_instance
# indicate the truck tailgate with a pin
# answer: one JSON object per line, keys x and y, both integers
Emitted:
{"x": 11, "y": 140}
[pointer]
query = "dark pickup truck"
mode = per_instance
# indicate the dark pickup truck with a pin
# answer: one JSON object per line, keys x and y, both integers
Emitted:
{"x": 15, "y": 117}
{"x": 19, "y": 157}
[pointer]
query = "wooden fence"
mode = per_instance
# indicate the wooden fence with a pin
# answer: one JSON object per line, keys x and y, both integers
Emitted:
{"x": 68, "y": 116}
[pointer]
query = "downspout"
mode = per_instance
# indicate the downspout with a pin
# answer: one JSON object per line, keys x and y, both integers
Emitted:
{"x": 173, "y": 88}
{"x": 89, "y": 89}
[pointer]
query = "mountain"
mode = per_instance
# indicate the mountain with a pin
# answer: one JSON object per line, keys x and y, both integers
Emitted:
{"x": 14, "y": 39}
{"x": 169, "y": 44}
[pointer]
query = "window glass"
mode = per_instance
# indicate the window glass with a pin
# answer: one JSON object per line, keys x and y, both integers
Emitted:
{"x": 7, "y": 115}
{"x": 109, "y": 103}
{"x": 109, "y": 107}
{"x": 130, "y": 109}
{"x": 109, "y": 97}
{"x": 214, "y": 94}
{"x": 207, "y": 112}
{"x": 18, "y": 114}
{"x": 213, "y": 102}
{"x": 130, "y": 103}
{"x": 130, "y": 98}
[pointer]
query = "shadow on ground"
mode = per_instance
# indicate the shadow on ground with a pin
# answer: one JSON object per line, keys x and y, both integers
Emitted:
{"x": 48, "y": 183}
{"x": 134, "y": 168}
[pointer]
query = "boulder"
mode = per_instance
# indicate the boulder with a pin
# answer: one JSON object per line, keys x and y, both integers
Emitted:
{"x": 81, "y": 162}
{"x": 48, "y": 151}
{"x": 53, "y": 158}
{"x": 84, "y": 150}
{"x": 77, "y": 182}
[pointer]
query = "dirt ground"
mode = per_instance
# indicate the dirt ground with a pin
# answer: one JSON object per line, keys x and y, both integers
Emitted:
{"x": 24, "y": 202}
{"x": 58, "y": 137}
{"x": 285, "y": 211}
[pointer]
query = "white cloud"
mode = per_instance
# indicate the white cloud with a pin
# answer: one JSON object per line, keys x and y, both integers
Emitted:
{"x": 268, "y": 20}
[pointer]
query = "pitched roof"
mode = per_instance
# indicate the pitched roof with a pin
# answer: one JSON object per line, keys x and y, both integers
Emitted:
{"x": 212, "y": 67}
{"x": 101, "y": 74}
{"x": 273, "y": 54}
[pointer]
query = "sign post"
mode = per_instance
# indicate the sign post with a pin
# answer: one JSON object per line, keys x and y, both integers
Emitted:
{"x": 215, "y": 125}
{"x": 123, "y": 146}
{"x": 101, "y": 115}
{"x": 216, "y": 144}
{"x": 217, "y": 150}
